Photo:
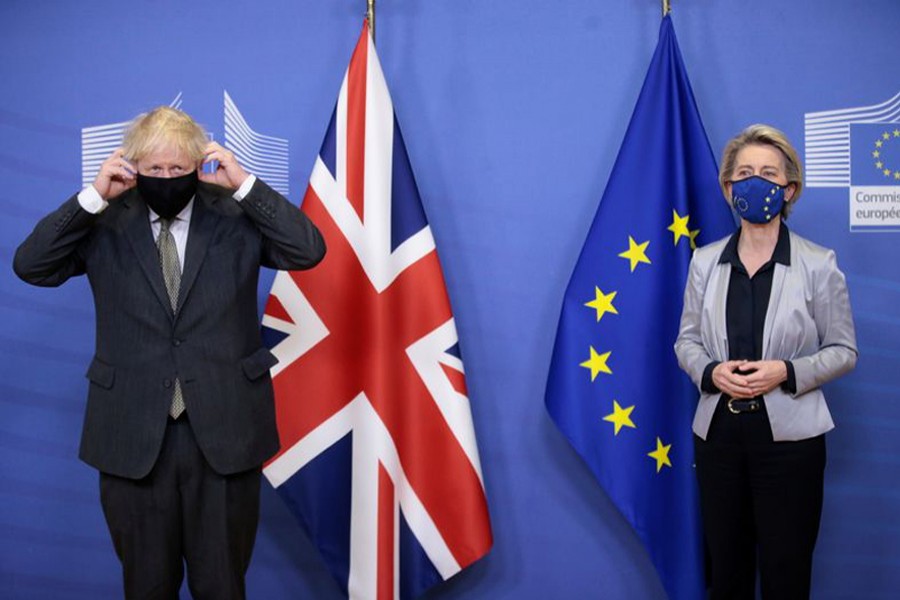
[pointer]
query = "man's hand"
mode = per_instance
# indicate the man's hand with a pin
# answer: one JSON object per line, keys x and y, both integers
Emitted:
{"x": 228, "y": 174}
{"x": 116, "y": 176}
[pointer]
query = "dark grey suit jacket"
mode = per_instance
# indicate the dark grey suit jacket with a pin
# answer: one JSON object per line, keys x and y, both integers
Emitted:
{"x": 212, "y": 343}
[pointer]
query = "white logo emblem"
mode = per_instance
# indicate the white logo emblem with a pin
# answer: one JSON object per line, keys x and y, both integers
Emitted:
{"x": 859, "y": 149}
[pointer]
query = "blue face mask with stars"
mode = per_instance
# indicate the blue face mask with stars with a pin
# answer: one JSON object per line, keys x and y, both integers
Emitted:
{"x": 757, "y": 200}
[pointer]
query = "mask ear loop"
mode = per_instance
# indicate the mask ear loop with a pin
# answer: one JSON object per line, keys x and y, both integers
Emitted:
{"x": 732, "y": 201}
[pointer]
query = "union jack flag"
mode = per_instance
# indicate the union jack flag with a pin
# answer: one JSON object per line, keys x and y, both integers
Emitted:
{"x": 378, "y": 454}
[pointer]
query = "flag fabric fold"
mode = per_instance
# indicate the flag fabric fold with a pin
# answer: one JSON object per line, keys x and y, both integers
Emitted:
{"x": 614, "y": 388}
{"x": 378, "y": 457}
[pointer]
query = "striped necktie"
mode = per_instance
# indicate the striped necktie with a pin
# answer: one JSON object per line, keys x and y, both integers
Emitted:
{"x": 171, "y": 270}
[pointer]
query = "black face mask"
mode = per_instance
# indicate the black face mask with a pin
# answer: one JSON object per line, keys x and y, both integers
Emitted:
{"x": 167, "y": 196}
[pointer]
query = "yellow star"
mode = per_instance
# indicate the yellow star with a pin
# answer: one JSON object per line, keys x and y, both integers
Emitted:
{"x": 896, "y": 174}
{"x": 620, "y": 417}
{"x": 636, "y": 253}
{"x": 897, "y": 133}
{"x": 597, "y": 363}
{"x": 602, "y": 303}
{"x": 878, "y": 143}
{"x": 661, "y": 454}
{"x": 887, "y": 172}
{"x": 876, "y": 154}
{"x": 879, "y": 164}
{"x": 693, "y": 235}
{"x": 886, "y": 135}
{"x": 679, "y": 226}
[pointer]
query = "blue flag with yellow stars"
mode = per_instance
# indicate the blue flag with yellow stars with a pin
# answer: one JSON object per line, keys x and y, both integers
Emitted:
{"x": 614, "y": 387}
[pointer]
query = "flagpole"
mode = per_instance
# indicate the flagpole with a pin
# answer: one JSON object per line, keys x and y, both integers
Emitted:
{"x": 666, "y": 7}
{"x": 370, "y": 17}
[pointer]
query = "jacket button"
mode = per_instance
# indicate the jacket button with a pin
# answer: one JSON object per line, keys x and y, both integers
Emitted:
{"x": 176, "y": 342}
{"x": 167, "y": 383}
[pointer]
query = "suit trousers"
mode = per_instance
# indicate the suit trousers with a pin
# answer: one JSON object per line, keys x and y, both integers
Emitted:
{"x": 182, "y": 512}
{"x": 760, "y": 501}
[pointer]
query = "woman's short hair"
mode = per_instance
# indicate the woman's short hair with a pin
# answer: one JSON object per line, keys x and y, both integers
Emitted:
{"x": 765, "y": 135}
{"x": 162, "y": 126}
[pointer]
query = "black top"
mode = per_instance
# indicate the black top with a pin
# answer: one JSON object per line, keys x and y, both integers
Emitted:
{"x": 746, "y": 307}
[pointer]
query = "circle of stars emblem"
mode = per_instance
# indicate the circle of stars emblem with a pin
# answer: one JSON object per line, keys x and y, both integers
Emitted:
{"x": 877, "y": 154}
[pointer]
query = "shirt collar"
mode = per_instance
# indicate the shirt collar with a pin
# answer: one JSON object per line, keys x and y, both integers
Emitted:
{"x": 184, "y": 215}
{"x": 781, "y": 254}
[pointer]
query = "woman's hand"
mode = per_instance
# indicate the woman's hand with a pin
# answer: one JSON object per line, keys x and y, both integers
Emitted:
{"x": 748, "y": 379}
{"x": 727, "y": 379}
{"x": 766, "y": 376}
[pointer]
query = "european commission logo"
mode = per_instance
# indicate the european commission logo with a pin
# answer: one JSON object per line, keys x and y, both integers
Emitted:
{"x": 265, "y": 156}
{"x": 859, "y": 149}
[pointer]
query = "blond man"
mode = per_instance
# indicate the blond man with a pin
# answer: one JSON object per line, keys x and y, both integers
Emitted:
{"x": 180, "y": 413}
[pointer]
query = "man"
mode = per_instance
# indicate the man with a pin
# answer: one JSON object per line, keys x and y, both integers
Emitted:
{"x": 180, "y": 413}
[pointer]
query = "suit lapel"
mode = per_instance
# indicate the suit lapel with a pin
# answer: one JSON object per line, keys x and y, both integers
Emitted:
{"x": 137, "y": 230}
{"x": 718, "y": 322}
{"x": 782, "y": 297}
{"x": 778, "y": 285}
{"x": 203, "y": 224}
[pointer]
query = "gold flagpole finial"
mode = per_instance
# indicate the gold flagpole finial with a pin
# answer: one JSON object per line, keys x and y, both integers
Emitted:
{"x": 667, "y": 7}
{"x": 370, "y": 17}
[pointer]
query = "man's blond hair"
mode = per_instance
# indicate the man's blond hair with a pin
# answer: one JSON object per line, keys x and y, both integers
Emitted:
{"x": 164, "y": 126}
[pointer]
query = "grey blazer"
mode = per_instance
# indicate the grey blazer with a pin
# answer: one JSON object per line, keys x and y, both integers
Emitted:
{"x": 212, "y": 344}
{"x": 808, "y": 322}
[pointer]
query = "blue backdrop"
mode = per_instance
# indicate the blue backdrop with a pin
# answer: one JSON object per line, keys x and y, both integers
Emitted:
{"x": 513, "y": 112}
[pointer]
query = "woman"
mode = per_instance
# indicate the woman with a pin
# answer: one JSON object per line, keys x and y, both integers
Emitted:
{"x": 766, "y": 322}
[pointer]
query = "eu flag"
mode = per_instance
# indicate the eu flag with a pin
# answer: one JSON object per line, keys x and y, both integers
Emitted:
{"x": 614, "y": 388}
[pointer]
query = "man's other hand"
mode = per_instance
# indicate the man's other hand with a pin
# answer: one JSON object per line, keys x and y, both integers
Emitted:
{"x": 116, "y": 175}
{"x": 228, "y": 174}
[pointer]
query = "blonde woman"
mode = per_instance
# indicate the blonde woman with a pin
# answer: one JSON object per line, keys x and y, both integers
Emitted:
{"x": 766, "y": 322}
